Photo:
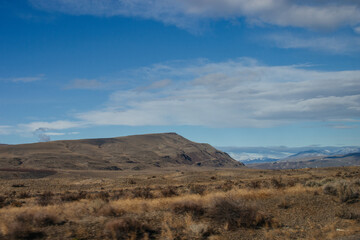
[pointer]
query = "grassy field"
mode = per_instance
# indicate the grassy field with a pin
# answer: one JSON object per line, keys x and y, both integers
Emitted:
{"x": 183, "y": 204}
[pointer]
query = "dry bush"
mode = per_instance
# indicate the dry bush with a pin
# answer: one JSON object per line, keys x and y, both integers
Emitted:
{"x": 227, "y": 186}
{"x": 188, "y": 206}
{"x": 142, "y": 192}
{"x": 24, "y": 195}
{"x": 277, "y": 182}
{"x": 235, "y": 213}
{"x": 169, "y": 191}
{"x": 110, "y": 211}
{"x": 73, "y": 196}
{"x": 18, "y": 230}
{"x": 45, "y": 198}
{"x": 349, "y": 214}
{"x": 15, "y": 203}
{"x": 39, "y": 219}
{"x": 129, "y": 228}
{"x": 284, "y": 203}
{"x": 255, "y": 184}
{"x": 197, "y": 189}
{"x": 330, "y": 189}
{"x": 118, "y": 194}
{"x": 346, "y": 191}
{"x": 104, "y": 196}
{"x": 2, "y": 201}
{"x": 131, "y": 181}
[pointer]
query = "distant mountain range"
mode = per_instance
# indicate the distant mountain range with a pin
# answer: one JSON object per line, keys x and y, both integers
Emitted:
{"x": 298, "y": 157}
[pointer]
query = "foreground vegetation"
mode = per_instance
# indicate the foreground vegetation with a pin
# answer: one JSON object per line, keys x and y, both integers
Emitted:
{"x": 186, "y": 204}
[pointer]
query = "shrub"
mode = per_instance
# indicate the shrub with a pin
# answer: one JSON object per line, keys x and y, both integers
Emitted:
{"x": 103, "y": 196}
{"x": 17, "y": 230}
{"x": 40, "y": 219}
{"x": 45, "y": 198}
{"x": 108, "y": 210}
{"x": 277, "y": 183}
{"x": 169, "y": 191}
{"x": 235, "y": 213}
{"x": 197, "y": 189}
{"x": 2, "y": 201}
{"x": 142, "y": 192}
{"x": 118, "y": 194}
{"x": 227, "y": 186}
{"x": 346, "y": 191}
{"x": 23, "y": 195}
{"x": 350, "y": 214}
{"x": 330, "y": 189}
{"x": 70, "y": 197}
{"x": 284, "y": 203}
{"x": 254, "y": 184}
{"x": 188, "y": 206}
{"x": 128, "y": 228}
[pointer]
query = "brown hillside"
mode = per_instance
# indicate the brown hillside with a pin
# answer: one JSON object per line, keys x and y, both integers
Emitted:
{"x": 131, "y": 152}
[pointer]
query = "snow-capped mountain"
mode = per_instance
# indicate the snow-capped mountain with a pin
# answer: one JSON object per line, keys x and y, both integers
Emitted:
{"x": 250, "y": 155}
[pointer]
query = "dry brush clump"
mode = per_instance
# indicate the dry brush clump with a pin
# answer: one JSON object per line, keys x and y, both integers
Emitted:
{"x": 188, "y": 206}
{"x": 346, "y": 191}
{"x": 28, "y": 224}
{"x": 129, "y": 228}
{"x": 73, "y": 196}
{"x": 234, "y": 213}
{"x": 169, "y": 191}
{"x": 352, "y": 214}
{"x": 45, "y": 198}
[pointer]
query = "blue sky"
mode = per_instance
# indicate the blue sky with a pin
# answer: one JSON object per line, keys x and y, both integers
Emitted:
{"x": 226, "y": 72}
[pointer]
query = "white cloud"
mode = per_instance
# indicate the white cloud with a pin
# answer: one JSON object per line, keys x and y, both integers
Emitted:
{"x": 184, "y": 13}
{"x": 4, "y": 130}
{"x": 357, "y": 29}
{"x": 85, "y": 84}
{"x": 54, "y": 133}
{"x": 235, "y": 93}
{"x": 28, "y": 79}
{"x": 55, "y": 125}
{"x": 334, "y": 44}
{"x": 238, "y": 93}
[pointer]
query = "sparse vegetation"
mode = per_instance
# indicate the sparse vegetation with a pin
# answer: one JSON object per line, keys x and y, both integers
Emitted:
{"x": 236, "y": 204}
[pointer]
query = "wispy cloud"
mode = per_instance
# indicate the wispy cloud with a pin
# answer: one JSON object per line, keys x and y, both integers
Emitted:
{"x": 234, "y": 93}
{"x": 357, "y": 29}
{"x": 239, "y": 93}
{"x": 343, "y": 126}
{"x": 308, "y": 14}
{"x": 55, "y": 125}
{"x": 333, "y": 43}
{"x": 28, "y": 78}
{"x": 4, "y": 130}
{"x": 85, "y": 84}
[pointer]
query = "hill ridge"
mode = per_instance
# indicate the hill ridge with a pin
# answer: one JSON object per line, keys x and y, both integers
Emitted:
{"x": 134, "y": 152}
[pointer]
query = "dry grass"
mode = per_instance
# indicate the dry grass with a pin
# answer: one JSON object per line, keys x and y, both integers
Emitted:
{"x": 241, "y": 204}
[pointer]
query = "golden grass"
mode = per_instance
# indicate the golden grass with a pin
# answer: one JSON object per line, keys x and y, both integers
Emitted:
{"x": 295, "y": 210}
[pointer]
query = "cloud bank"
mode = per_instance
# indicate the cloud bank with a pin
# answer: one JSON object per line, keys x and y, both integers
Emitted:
{"x": 239, "y": 93}
{"x": 234, "y": 93}
{"x": 323, "y": 15}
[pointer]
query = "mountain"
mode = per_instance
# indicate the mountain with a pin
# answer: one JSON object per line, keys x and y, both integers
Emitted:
{"x": 121, "y": 153}
{"x": 351, "y": 159}
{"x": 249, "y": 155}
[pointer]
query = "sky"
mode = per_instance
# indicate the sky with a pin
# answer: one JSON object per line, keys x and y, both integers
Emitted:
{"x": 224, "y": 72}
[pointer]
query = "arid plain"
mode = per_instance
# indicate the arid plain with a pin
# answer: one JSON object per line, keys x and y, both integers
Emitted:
{"x": 183, "y": 201}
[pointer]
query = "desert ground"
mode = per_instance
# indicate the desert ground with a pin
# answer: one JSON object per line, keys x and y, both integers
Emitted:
{"x": 182, "y": 203}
